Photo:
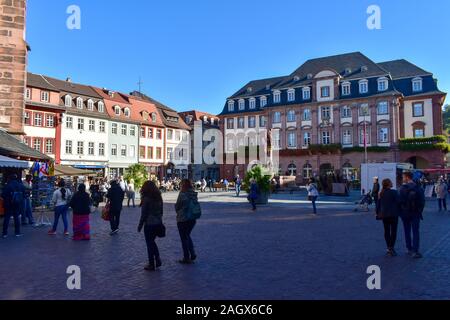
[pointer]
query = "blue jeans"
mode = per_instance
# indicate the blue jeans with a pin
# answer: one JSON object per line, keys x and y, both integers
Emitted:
{"x": 238, "y": 190}
{"x": 61, "y": 211}
{"x": 313, "y": 200}
{"x": 412, "y": 225}
{"x": 11, "y": 212}
{"x": 185, "y": 229}
{"x": 27, "y": 212}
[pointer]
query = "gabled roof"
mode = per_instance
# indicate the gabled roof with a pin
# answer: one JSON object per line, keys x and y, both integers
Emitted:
{"x": 74, "y": 88}
{"x": 151, "y": 100}
{"x": 139, "y": 106}
{"x": 38, "y": 81}
{"x": 117, "y": 97}
{"x": 403, "y": 69}
{"x": 11, "y": 146}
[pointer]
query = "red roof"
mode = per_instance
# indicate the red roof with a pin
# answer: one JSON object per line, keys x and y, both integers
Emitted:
{"x": 113, "y": 99}
{"x": 139, "y": 107}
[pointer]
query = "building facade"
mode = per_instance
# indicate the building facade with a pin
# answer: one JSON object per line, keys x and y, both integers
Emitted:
{"x": 323, "y": 116}
{"x": 200, "y": 122}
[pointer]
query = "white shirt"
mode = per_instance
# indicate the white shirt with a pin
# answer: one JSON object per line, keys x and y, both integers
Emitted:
{"x": 58, "y": 200}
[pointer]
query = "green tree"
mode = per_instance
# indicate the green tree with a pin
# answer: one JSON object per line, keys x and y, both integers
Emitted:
{"x": 261, "y": 176}
{"x": 446, "y": 117}
{"x": 138, "y": 173}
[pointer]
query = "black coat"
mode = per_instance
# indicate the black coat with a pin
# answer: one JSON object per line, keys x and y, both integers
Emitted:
{"x": 389, "y": 204}
{"x": 116, "y": 196}
{"x": 375, "y": 190}
{"x": 81, "y": 204}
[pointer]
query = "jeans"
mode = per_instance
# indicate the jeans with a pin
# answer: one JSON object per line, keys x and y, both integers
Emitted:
{"x": 390, "y": 231}
{"x": 132, "y": 198}
{"x": 412, "y": 225}
{"x": 238, "y": 190}
{"x": 61, "y": 211}
{"x": 27, "y": 212}
{"x": 8, "y": 214}
{"x": 114, "y": 219}
{"x": 442, "y": 203}
{"x": 253, "y": 202}
{"x": 313, "y": 201}
{"x": 185, "y": 230}
{"x": 152, "y": 248}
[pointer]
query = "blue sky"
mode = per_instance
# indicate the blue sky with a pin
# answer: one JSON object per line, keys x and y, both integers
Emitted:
{"x": 194, "y": 54}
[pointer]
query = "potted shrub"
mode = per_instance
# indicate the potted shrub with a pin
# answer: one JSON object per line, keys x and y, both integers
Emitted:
{"x": 263, "y": 181}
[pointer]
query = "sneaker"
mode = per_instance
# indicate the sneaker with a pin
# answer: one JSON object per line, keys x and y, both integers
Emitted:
{"x": 193, "y": 257}
{"x": 394, "y": 253}
{"x": 417, "y": 255}
{"x": 67, "y": 233}
{"x": 158, "y": 263}
{"x": 52, "y": 233}
{"x": 19, "y": 235}
{"x": 114, "y": 232}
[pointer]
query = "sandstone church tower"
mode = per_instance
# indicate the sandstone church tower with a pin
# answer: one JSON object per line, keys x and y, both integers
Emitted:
{"x": 13, "y": 63}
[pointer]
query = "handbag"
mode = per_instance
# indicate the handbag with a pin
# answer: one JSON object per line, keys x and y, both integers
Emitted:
{"x": 105, "y": 212}
{"x": 161, "y": 231}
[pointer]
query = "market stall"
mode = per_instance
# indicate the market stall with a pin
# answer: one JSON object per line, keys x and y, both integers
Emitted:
{"x": 9, "y": 166}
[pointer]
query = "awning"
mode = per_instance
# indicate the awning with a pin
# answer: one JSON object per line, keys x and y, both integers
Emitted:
{"x": 6, "y": 162}
{"x": 11, "y": 146}
{"x": 61, "y": 170}
{"x": 89, "y": 167}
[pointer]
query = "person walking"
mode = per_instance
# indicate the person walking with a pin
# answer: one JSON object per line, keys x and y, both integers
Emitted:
{"x": 115, "y": 197}
{"x": 313, "y": 193}
{"x": 27, "y": 213}
{"x": 61, "y": 198}
{"x": 13, "y": 199}
{"x": 253, "y": 193}
{"x": 375, "y": 192}
{"x": 441, "y": 189}
{"x": 203, "y": 185}
{"x": 238, "y": 184}
{"x": 151, "y": 221}
{"x": 131, "y": 193}
{"x": 81, "y": 205}
{"x": 388, "y": 212}
{"x": 412, "y": 202}
{"x": 226, "y": 184}
{"x": 188, "y": 211}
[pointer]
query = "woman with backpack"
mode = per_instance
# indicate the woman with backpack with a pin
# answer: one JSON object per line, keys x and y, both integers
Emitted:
{"x": 151, "y": 221}
{"x": 81, "y": 204}
{"x": 188, "y": 211}
{"x": 61, "y": 199}
{"x": 313, "y": 193}
{"x": 389, "y": 211}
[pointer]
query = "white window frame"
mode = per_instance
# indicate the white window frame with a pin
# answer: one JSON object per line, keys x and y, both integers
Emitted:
{"x": 385, "y": 104}
{"x": 117, "y": 110}
{"x": 114, "y": 150}
{"x": 306, "y": 139}
{"x": 124, "y": 129}
{"x": 80, "y": 148}
{"x": 363, "y": 86}
{"x": 291, "y": 116}
{"x": 231, "y": 105}
{"x": 90, "y": 104}
{"x": 45, "y": 96}
{"x": 347, "y": 137}
{"x": 114, "y": 128}
{"x": 123, "y": 150}
{"x": 241, "y": 104}
{"x": 68, "y": 101}
{"x": 91, "y": 125}
{"x": 127, "y": 112}
{"x": 277, "y": 96}
{"x": 307, "y": 114}
{"x": 69, "y": 123}
{"x": 419, "y": 82}
{"x": 252, "y": 103}
{"x": 69, "y": 147}
{"x": 383, "y": 84}
{"x": 291, "y": 95}
{"x": 292, "y": 139}
{"x": 346, "y": 112}
{"x": 101, "y": 149}
{"x": 263, "y": 101}
{"x": 383, "y": 137}
{"x": 346, "y": 89}
{"x": 276, "y": 117}
{"x": 80, "y": 103}
{"x": 91, "y": 149}
{"x": 102, "y": 126}
{"x": 326, "y": 137}
{"x": 28, "y": 93}
{"x": 101, "y": 107}
{"x": 306, "y": 93}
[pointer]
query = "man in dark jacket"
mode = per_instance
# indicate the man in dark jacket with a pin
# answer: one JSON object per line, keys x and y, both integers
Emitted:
{"x": 412, "y": 202}
{"x": 13, "y": 199}
{"x": 115, "y": 196}
{"x": 376, "y": 192}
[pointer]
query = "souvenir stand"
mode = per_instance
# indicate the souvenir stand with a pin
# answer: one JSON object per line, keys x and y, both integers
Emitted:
{"x": 44, "y": 183}
{"x": 9, "y": 166}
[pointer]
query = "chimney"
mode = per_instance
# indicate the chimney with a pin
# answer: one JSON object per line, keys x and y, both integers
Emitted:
{"x": 69, "y": 79}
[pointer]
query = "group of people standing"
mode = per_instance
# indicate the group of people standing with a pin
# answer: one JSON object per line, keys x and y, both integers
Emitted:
{"x": 408, "y": 204}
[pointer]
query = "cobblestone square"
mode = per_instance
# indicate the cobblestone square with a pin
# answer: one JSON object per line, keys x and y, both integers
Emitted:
{"x": 280, "y": 252}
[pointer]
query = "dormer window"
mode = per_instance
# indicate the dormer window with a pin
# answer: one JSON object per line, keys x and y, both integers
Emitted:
{"x": 231, "y": 105}
{"x": 68, "y": 101}
{"x": 296, "y": 78}
{"x": 263, "y": 101}
{"x": 80, "y": 103}
{"x": 309, "y": 76}
{"x": 101, "y": 107}
{"x": 145, "y": 115}
{"x": 382, "y": 84}
{"x": 267, "y": 87}
{"x": 153, "y": 117}
{"x": 252, "y": 102}
{"x": 117, "y": 110}
{"x": 364, "y": 68}
{"x": 249, "y": 89}
{"x": 417, "y": 84}
{"x": 277, "y": 96}
{"x": 45, "y": 96}
{"x": 205, "y": 119}
{"x": 28, "y": 94}
{"x": 291, "y": 95}
{"x": 189, "y": 119}
{"x": 346, "y": 89}
{"x": 90, "y": 105}
{"x": 126, "y": 112}
{"x": 363, "y": 86}
{"x": 348, "y": 71}
{"x": 306, "y": 92}
{"x": 241, "y": 104}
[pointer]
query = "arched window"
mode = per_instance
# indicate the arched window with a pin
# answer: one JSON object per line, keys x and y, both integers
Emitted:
{"x": 80, "y": 103}
{"x": 363, "y": 86}
{"x": 231, "y": 105}
{"x": 101, "y": 107}
{"x": 90, "y": 105}
{"x": 307, "y": 171}
{"x": 263, "y": 101}
{"x": 68, "y": 101}
{"x": 291, "y": 116}
{"x": 126, "y": 112}
{"x": 292, "y": 170}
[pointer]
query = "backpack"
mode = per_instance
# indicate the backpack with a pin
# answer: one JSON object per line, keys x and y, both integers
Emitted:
{"x": 412, "y": 203}
{"x": 17, "y": 199}
{"x": 194, "y": 211}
